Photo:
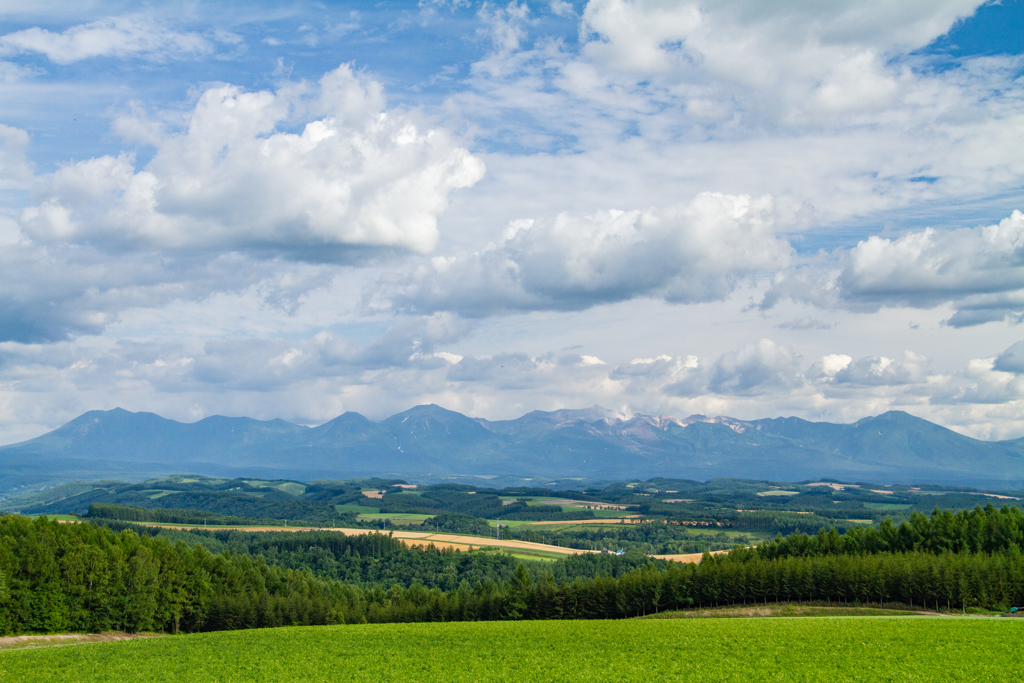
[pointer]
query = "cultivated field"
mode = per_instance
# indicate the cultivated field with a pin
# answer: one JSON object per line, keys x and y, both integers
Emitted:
{"x": 410, "y": 538}
{"x": 824, "y": 649}
{"x": 687, "y": 557}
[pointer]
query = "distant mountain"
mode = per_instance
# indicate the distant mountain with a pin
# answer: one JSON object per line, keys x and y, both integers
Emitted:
{"x": 593, "y": 443}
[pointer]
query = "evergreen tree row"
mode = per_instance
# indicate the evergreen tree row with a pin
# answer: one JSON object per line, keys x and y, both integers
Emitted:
{"x": 981, "y": 530}
{"x": 82, "y": 577}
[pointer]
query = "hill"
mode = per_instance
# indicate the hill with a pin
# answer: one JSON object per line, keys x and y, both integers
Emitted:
{"x": 894, "y": 447}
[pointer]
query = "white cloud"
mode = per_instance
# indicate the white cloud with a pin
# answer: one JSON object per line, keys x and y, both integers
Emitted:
{"x": 314, "y": 378}
{"x": 830, "y": 58}
{"x": 210, "y": 263}
{"x": 687, "y": 253}
{"x": 881, "y": 371}
{"x": 757, "y": 369}
{"x": 15, "y": 170}
{"x": 219, "y": 202}
{"x": 1011, "y": 360}
{"x": 829, "y": 109}
{"x": 51, "y": 293}
{"x": 833, "y": 363}
{"x": 978, "y": 270}
{"x": 110, "y": 37}
{"x": 355, "y": 176}
{"x": 562, "y": 8}
{"x": 506, "y": 26}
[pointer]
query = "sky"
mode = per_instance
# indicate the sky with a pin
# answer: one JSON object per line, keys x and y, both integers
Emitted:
{"x": 295, "y": 209}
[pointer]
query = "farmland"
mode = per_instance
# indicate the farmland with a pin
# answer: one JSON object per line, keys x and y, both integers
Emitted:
{"x": 414, "y": 539}
{"x": 659, "y": 517}
{"x": 834, "y": 649}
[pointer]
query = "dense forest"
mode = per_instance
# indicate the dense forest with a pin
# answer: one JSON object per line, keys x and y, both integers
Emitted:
{"x": 366, "y": 560}
{"x": 656, "y": 538}
{"x": 85, "y": 577}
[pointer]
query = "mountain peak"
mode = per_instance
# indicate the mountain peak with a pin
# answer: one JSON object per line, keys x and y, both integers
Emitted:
{"x": 895, "y": 447}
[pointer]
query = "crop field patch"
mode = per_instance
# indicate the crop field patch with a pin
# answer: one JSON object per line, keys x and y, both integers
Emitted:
{"x": 65, "y": 518}
{"x": 823, "y": 649}
{"x": 292, "y": 487}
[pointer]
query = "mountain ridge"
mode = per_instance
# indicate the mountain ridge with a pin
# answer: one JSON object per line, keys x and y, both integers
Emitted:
{"x": 593, "y": 442}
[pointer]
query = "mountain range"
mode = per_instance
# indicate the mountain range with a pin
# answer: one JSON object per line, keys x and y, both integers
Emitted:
{"x": 595, "y": 443}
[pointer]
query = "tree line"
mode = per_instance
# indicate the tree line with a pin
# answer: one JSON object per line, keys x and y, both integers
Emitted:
{"x": 655, "y": 537}
{"x": 84, "y": 577}
{"x": 981, "y": 530}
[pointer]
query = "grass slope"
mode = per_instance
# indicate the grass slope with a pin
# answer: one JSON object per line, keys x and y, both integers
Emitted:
{"x": 826, "y": 649}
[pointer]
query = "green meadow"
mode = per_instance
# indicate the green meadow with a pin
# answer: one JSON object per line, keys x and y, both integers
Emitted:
{"x": 782, "y": 649}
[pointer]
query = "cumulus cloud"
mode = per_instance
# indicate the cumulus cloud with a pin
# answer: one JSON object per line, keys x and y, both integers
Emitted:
{"x": 110, "y": 37}
{"x": 15, "y": 170}
{"x": 221, "y": 202}
{"x": 517, "y": 371}
{"x": 505, "y": 26}
{"x": 309, "y": 380}
{"x": 686, "y": 253}
{"x": 272, "y": 363}
{"x": 978, "y": 270}
{"x": 835, "y": 110}
{"x": 50, "y": 294}
{"x": 731, "y": 65}
{"x": 756, "y": 369}
{"x": 675, "y": 376}
{"x": 355, "y": 177}
{"x": 835, "y": 58}
{"x": 981, "y": 382}
{"x": 1011, "y": 360}
{"x": 312, "y": 379}
{"x": 872, "y": 370}
{"x": 764, "y": 367}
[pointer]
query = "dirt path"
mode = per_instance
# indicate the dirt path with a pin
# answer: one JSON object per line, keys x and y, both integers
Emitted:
{"x": 15, "y": 642}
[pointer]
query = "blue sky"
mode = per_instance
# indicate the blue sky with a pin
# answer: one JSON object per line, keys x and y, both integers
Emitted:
{"x": 296, "y": 209}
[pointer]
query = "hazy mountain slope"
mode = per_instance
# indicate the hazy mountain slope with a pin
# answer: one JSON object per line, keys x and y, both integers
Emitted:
{"x": 894, "y": 447}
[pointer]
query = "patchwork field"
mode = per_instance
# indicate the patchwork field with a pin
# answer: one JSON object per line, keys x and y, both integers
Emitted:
{"x": 781, "y": 649}
{"x": 414, "y": 538}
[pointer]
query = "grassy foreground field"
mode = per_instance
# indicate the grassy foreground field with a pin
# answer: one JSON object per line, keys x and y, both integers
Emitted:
{"x": 823, "y": 649}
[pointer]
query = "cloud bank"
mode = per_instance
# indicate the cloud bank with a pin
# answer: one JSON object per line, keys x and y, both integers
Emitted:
{"x": 355, "y": 176}
{"x": 687, "y": 207}
{"x": 980, "y": 271}
{"x": 111, "y": 37}
{"x": 686, "y": 253}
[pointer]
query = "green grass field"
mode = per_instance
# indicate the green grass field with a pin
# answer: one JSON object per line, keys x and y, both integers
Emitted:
{"x": 801, "y": 649}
